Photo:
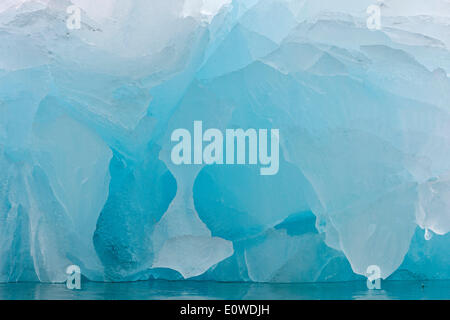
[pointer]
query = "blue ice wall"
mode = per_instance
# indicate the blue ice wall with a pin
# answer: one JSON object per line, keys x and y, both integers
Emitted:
{"x": 86, "y": 117}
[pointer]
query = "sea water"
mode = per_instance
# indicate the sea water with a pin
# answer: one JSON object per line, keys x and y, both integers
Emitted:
{"x": 179, "y": 290}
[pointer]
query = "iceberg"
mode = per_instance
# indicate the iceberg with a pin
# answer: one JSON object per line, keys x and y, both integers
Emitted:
{"x": 87, "y": 114}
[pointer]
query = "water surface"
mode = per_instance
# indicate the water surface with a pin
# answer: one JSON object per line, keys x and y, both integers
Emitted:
{"x": 160, "y": 290}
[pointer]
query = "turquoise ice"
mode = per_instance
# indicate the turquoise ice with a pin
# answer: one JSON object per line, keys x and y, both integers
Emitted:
{"x": 86, "y": 117}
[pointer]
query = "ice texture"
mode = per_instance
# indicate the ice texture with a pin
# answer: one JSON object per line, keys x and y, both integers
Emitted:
{"x": 86, "y": 117}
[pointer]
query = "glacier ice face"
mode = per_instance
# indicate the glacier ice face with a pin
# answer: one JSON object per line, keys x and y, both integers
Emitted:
{"x": 52, "y": 198}
{"x": 86, "y": 118}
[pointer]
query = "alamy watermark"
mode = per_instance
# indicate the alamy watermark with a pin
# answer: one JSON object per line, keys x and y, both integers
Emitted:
{"x": 73, "y": 21}
{"x": 374, "y": 20}
{"x": 373, "y": 277}
{"x": 73, "y": 281}
{"x": 235, "y": 150}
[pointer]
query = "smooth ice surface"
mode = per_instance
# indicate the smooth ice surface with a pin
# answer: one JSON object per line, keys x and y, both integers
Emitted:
{"x": 86, "y": 118}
